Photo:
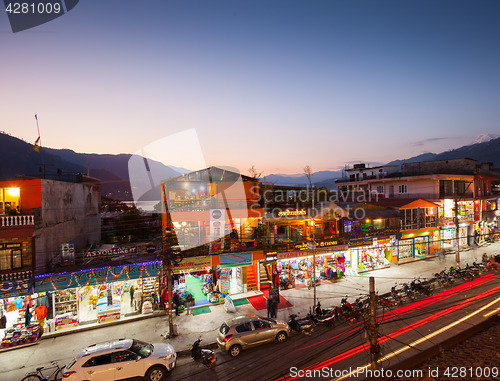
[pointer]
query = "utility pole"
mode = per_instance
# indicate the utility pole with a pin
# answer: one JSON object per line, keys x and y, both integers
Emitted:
{"x": 168, "y": 237}
{"x": 314, "y": 249}
{"x": 457, "y": 231}
{"x": 374, "y": 349}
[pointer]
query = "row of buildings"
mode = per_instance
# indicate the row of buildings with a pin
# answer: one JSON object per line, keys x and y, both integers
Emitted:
{"x": 233, "y": 234}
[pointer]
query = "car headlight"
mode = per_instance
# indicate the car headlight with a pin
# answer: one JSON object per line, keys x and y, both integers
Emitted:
{"x": 168, "y": 357}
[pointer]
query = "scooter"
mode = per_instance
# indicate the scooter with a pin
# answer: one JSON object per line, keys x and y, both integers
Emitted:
{"x": 305, "y": 326}
{"x": 206, "y": 356}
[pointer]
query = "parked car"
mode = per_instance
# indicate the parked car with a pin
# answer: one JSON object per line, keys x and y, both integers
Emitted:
{"x": 251, "y": 330}
{"x": 121, "y": 359}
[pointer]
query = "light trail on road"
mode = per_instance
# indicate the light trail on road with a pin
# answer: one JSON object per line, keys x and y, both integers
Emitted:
{"x": 423, "y": 303}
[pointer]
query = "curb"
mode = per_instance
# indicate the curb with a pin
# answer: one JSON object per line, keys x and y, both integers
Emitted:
{"x": 52, "y": 335}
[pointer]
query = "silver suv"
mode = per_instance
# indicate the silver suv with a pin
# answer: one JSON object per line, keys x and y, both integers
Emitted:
{"x": 121, "y": 359}
{"x": 247, "y": 331}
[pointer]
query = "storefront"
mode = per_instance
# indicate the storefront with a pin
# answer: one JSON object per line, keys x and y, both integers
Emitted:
{"x": 15, "y": 329}
{"x": 448, "y": 236}
{"x": 295, "y": 269}
{"x": 417, "y": 245}
{"x": 194, "y": 275}
{"x": 233, "y": 272}
{"x": 97, "y": 296}
{"x": 370, "y": 254}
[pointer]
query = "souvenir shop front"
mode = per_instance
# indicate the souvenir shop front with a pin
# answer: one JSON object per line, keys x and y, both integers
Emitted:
{"x": 236, "y": 272}
{"x": 97, "y": 296}
{"x": 295, "y": 269}
{"x": 17, "y": 327}
{"x": 371, "y": 253}
{"x": 194, "y": 275}
{"x": 417, "y": 245}
{"x": 448, "y": 239}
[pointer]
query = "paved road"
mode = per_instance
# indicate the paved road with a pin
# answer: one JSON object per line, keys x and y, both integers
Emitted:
{"x": 16, "y": 363}
{"x": 329, "y": 351}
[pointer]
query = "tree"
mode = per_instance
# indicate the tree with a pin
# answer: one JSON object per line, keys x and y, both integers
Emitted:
{"x": 254, "y": 173}
{"x": 308, "y": 172}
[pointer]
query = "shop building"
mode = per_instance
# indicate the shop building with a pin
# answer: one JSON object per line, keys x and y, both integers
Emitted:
{"x": 100, "y": 295}
{"x": 39, "y": 217}
{"x": 462, "y": 189}
{"x": 213, "y": 210}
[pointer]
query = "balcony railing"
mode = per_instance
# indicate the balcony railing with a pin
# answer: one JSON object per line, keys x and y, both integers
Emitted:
{"x": 22, "y": 220}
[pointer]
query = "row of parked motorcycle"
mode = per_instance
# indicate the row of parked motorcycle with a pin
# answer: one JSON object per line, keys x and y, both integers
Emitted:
{"x": 468, "y": 273}
{"x": 400, "y": 294}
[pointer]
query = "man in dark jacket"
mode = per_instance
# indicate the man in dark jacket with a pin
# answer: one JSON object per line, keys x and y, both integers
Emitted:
{"x": 176, "y": 301}
{"x": 270, "y": 306}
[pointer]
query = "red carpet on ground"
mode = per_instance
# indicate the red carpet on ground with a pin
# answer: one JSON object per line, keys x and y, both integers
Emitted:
{"x": 283, "y": 302}
{"x": 258, "y": 302}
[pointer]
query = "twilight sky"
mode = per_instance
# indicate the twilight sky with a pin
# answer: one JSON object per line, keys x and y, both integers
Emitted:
{"x": 275, "y": 84}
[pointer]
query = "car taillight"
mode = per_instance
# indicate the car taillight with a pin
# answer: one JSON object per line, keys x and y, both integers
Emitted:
{"x": 227, "y": 338}
{"x": 67, "y": 374}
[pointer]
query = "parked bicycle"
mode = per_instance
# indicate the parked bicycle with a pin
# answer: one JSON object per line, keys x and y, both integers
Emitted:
{"x": 56, "y": 375}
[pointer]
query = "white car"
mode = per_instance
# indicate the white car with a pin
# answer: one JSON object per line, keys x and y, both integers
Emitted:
{"x": 121, "y": 359}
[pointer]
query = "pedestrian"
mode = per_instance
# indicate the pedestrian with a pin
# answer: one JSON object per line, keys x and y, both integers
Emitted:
{"x": 176, "y": 301}
{"x": 317, "y": 310}
{"x": 138, "y": 299}
{"x": 275, "y": 306}
{"x": 164, "y": 298}
{"x": 27, "y": 317}
{"x": 269, "y": 305}
{"x": 189, "y": 302}
{"x": 132, "y": 290}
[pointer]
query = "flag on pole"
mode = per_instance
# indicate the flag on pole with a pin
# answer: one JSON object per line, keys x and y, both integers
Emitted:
{"x": 37, "y": 144}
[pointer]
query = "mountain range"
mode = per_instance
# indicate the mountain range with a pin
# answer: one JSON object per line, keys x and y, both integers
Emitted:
{"x": 17, "y": 158}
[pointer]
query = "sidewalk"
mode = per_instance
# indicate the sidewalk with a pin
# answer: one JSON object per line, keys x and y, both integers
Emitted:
{"x": 16, "y": 363}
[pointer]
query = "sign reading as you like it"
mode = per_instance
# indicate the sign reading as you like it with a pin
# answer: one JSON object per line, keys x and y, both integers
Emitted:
{"x": 111, "y": 252}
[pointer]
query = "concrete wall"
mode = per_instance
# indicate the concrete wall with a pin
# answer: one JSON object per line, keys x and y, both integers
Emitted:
{"x": 440, "y": 166}
{"x": 69, "y": 214}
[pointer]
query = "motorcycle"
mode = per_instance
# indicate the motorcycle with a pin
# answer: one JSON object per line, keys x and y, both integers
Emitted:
{"x": 408, "y": 291}
{"x": 206, "y": 356}
{"x": 396, "y": 295}
{"x": 302, "y": 325}
{"x": 441, "y": 279}
{"x": 418, "y": 286}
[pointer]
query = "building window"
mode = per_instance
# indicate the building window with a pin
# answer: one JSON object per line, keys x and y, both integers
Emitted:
{"x": 459, "y": 186}
{"x": 10, "y": 259}
{"x": 403, "y": 189}
{"x": 380, "y": 189}
{"x": 445, "y": 188}
{"x": 9, "y": 200}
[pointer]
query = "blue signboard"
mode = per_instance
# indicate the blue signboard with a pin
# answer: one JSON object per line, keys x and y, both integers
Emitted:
{"x": 235, "y": 259}
{"x": 15, "y": 288}
{"x": 62, "y": 281}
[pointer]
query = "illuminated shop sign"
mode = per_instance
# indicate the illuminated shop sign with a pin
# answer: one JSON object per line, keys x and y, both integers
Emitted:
{"x": 303, "y": 245}
{"x": 360, "y": 242}
{"x": 194, "y": 262}
{"x": 111, "y": 252}
{"x": 292, "y": 213}
{"x": 51, "y": 282}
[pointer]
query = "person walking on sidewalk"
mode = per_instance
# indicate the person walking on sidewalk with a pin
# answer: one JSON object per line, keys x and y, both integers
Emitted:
{"x": 132, "y": 290}
{"x": 275, "y": 306}
{"x": 176, "y": 301}
{"x": 269, "y": 305}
